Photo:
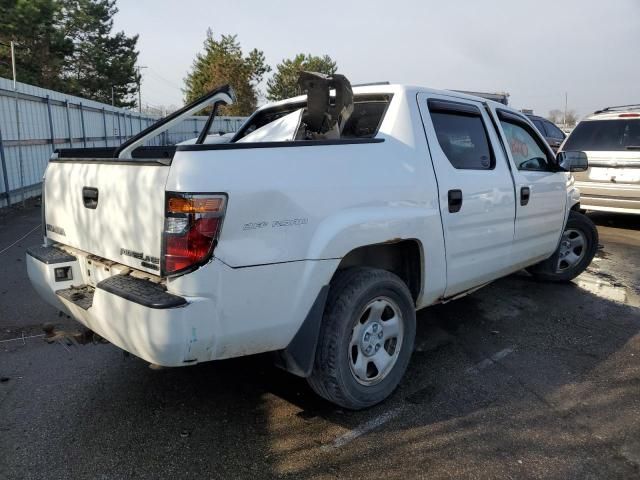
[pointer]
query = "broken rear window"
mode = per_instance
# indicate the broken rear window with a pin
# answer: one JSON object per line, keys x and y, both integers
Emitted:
{"x": 364, "y": 122}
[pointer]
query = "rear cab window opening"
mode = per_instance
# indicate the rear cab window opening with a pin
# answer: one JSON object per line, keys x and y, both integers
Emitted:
{"x": 368, "y": 113}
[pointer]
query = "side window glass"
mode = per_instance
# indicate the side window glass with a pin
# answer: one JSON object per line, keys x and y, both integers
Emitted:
{"x": 463, "y": 139}
{"x": 527, "y": 153}
{"x": 540, "y": 127}
{"x": 553, "y": 131}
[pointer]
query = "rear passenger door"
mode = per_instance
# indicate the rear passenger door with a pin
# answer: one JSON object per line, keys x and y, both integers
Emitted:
{"x": 541, "y": 190}
{"x": 475, "y": 190}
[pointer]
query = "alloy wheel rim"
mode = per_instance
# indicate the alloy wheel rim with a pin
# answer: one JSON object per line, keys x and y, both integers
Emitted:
{"x": 573, "y": 247}
{"x": 376, "y": 341}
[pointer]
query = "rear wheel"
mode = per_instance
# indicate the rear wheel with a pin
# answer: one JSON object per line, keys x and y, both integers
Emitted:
{"x": 366, "y": 338}
{"x": 577, "y": 248}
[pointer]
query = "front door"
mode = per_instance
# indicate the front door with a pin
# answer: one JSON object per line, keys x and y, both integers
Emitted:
{"x": 475, "y": 190}
{"x": 540, "y": 188}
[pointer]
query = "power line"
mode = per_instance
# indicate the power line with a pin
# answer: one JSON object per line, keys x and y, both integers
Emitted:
{"x": 160, "y": 77}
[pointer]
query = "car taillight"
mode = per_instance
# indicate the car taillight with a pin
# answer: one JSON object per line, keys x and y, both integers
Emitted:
{"x": 191, "y": 229}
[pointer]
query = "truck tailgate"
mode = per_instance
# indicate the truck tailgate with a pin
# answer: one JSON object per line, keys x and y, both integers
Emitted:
{"x": 112, "y": 209}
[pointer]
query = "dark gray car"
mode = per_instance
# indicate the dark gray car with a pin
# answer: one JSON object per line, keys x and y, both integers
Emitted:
{"x": 552, "y": 134}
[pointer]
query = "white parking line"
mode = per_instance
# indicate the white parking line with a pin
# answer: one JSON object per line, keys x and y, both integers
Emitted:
{"x": 489, "y": 361}
{"x": 21, "y": 238}
{"x": 383, "y": 418}
{"x": 23, "y": 338}
{"x": 363, "y": 429}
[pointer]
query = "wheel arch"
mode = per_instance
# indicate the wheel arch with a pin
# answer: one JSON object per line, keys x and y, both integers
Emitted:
{"x": 402, "y": 257}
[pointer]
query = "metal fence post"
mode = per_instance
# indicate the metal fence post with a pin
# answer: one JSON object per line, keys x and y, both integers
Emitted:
{"x": 104, "y": 121}
{"x": 53, "y": 140}
{"x": 84, "y": 132}
{"x": 113, "y": 126}
{"x": 119, "y": 131}
{"x": 5, "y": 175}
{"x": 131, "y": 123}
{"x": 66, "y": 105}
{"x": 19, "y": 144}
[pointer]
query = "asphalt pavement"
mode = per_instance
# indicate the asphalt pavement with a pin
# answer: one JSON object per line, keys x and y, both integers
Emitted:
{"x": 519, "y": 380}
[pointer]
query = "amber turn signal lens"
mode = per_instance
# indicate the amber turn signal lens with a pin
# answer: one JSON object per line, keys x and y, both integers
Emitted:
{"x": 195, "y": 205}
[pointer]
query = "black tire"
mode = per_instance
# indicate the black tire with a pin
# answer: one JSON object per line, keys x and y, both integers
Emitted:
{"x": 351, "y": 291}
{"x": 548, "y": 269}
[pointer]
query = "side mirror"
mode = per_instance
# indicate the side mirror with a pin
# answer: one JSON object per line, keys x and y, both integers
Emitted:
{"x": 572, "y": 161}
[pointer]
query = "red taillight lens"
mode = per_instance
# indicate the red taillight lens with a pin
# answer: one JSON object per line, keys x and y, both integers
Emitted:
{"x": 192, "y": 227}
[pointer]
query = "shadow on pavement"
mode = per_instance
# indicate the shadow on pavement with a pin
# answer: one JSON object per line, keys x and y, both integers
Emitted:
{"x": 616, "y": 220}
{"x": 562, "y": 402}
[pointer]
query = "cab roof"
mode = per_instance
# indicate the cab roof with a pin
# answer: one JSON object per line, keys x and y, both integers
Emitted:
{"x": 393, "y": 89}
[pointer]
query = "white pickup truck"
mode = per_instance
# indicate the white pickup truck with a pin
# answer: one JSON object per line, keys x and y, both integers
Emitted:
{"x": 315, "y": 233}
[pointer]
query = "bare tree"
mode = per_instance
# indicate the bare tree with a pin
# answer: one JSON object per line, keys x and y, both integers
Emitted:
{"x": 558, "y": 117}
{"x": 555, "y": 116}
{"x": 572, "y": 118}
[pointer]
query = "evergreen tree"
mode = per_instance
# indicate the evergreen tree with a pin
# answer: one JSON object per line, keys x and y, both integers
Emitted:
{"x": 223, "y": 62}
{"x": 284, "y": 83}
{"x": 100, "y": 61}
{"x": 68, "y": 45}
{"x": 41, "y": 46}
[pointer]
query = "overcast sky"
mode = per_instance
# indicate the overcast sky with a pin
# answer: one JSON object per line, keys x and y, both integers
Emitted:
{"x": 535, "y": 50}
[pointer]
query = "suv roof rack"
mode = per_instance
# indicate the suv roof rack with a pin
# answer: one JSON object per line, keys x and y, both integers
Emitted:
{"x": 619, "y": 107}
{"x": 369, "y": 84}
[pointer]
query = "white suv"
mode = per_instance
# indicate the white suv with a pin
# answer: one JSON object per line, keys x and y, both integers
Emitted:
{"x": 611, "y": 140}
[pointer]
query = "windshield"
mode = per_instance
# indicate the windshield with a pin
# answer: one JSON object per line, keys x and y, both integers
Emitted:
{"x": 605, "y": 135}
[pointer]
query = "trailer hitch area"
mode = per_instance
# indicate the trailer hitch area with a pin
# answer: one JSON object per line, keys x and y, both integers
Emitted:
{"x": 84, "y": 337}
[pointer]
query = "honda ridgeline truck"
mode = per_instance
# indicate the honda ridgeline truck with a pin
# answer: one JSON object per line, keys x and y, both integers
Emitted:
{"x": 315, "y": 232}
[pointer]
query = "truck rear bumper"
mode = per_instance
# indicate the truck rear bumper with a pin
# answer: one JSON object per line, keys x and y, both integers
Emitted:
{"x": 213, "y": 313}
{"x": 135, "y": 314}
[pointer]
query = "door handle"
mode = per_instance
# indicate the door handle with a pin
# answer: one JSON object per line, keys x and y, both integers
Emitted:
{"x": 90, "y": 197}
{"x": 525, "y": 194}
{"x": 455, "y": 200}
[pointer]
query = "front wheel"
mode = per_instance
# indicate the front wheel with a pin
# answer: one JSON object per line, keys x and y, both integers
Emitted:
{"x": 577, "y": 248}
{"x": 366, "y": 338}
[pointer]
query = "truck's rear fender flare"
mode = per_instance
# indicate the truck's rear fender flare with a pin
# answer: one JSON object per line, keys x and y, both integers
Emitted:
{"x": 357, "y": 235}
{"x": 345, "y": 232}
{"x": 403, "y": 257}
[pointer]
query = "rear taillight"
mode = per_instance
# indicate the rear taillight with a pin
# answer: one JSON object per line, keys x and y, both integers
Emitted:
{"x": 191, "y": 229}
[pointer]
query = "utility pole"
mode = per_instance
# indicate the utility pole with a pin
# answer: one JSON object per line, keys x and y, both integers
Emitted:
{"x": 565, "y": 110}
{"x": 13, "y": 63}
{"x": 139, "y": 88}
{"x": 113, "y": 97}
